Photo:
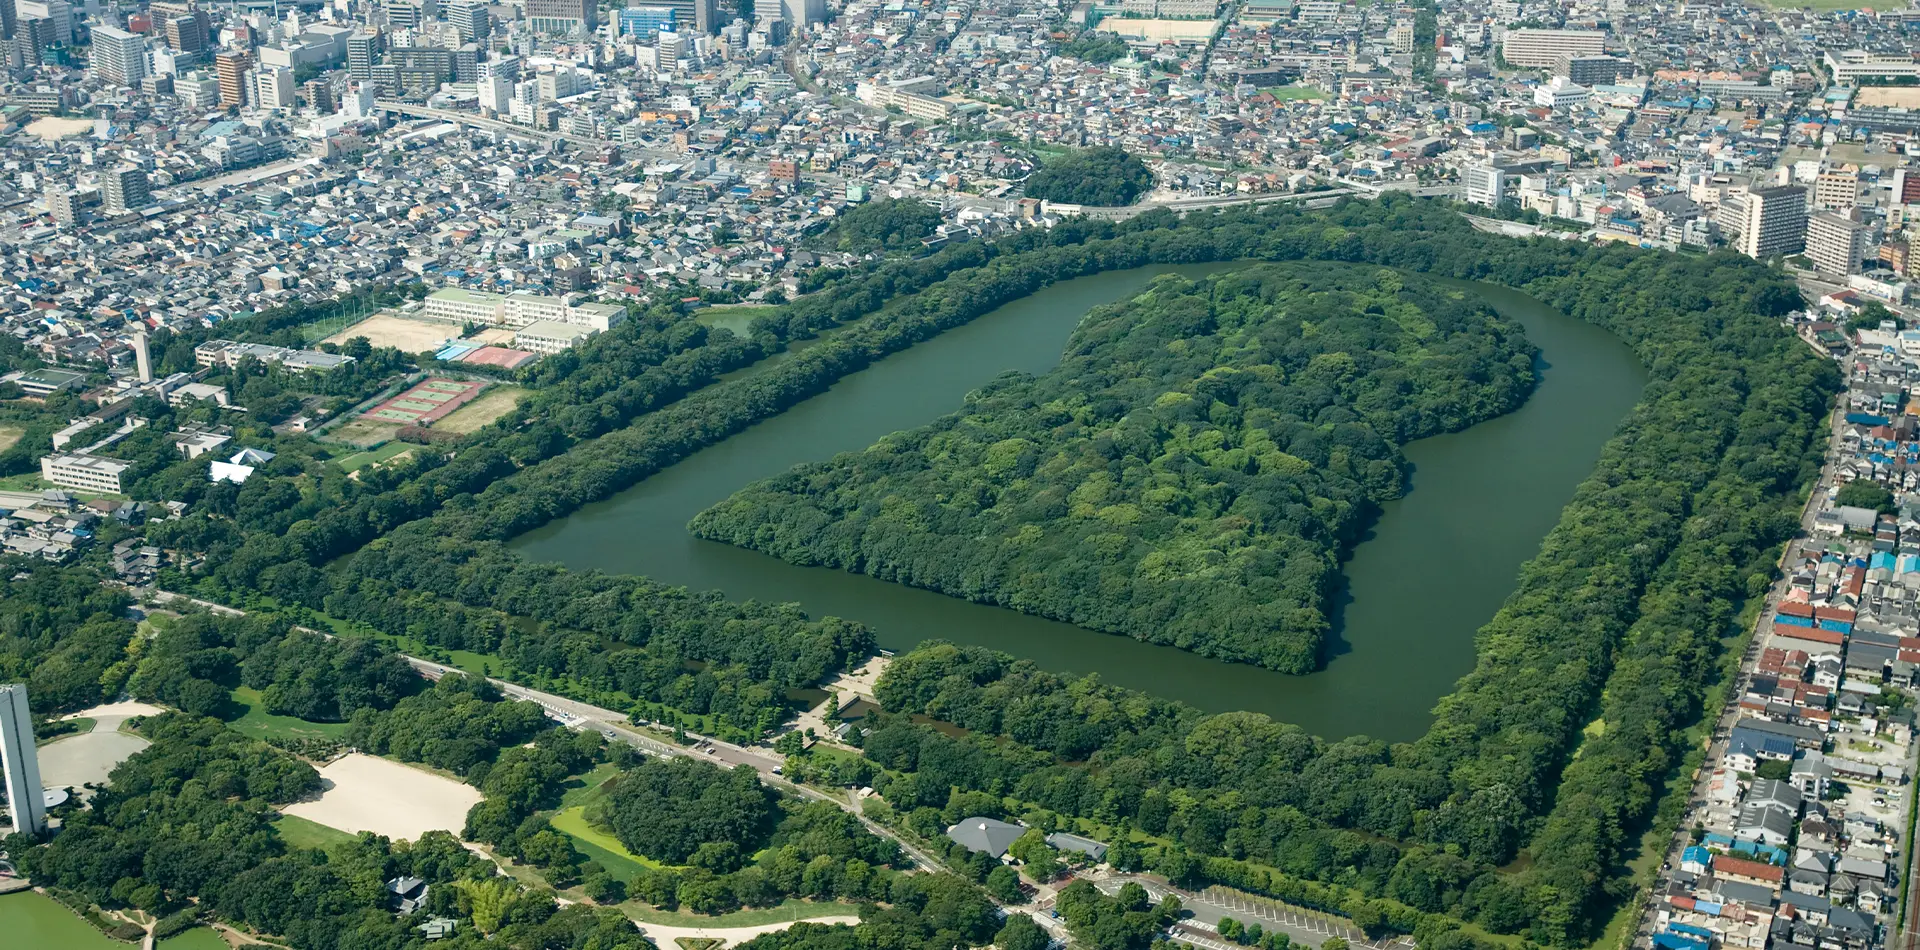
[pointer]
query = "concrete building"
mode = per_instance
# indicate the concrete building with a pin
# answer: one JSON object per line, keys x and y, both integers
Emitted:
{"x": 1484, "y": 185}
{"x": 560, "y": 16}
{"x": 118, "y": 56}
{"x": 1837, "y": 243}
{"x": 84, "y": 472}
{"x": 124, "y": 189}
{"x": 470, "y": 20}
{"x": 27, "y": 801}
{"x": 1561, "y": 93}
{"x": 1775, "y": 221}
{"x": 1589, "y": 70}
{"x": 1848, "y": 68}
{"x": 230, "y": 70}
{"x": 1541, "y": 49}
{"x": 197, "y": 90}
{"x": 62, "y": 205}
{"x": 59, "y": 12}
{"x": 1837, "y": 188}
{"x": 274, "y": 88}
{"x": 801, "y": 14}
{"x": 551, "y": 336}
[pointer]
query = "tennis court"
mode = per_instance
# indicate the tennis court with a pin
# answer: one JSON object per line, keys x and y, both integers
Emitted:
{"x": 425, "y": 402}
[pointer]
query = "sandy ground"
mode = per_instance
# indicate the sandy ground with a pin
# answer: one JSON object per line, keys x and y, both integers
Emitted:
{"x": 366, "y": 793}
{"x": 74, "y": 761}
{"x": 662, "y": 935}
{"x": 407, "y": 336}
{"x": 494, "y": 336}
{"x": 491, "y": 405}
{"x": 844, "y": 689}
{"x": 1894, "y": 97}
{"x": 107, "y": 718}
{"x": 52, "y": 127}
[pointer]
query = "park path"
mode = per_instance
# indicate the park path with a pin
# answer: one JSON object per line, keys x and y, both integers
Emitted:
{"x": 663, "y": 935}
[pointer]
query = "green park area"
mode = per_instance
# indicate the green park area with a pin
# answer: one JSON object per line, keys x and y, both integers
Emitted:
{"x": 253, "y": 719}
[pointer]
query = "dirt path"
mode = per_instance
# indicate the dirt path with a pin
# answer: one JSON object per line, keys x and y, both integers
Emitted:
{"x": 663, "y": 935}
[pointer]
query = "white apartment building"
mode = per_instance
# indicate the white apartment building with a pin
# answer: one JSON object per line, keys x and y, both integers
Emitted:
{"x": 1542, "y": 49}
{"x": 1775, "y": 221}
{"x": 1836, "y": 243}
{"x": 84, "y": 472}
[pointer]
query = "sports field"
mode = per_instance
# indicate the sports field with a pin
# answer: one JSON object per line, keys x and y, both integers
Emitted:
{"x": 425, "y": 403}
{"x": 401, "y": 333}
{"x": 497, "y": 402}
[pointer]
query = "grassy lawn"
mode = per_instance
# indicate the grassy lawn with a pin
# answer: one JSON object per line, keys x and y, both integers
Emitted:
{"x": 360, "y": 460}
{"x": 735, "y": 317}
{"x": 1295, "y": 93}
{"x": 298, "y": 832}
{"x": 68, "y": 727}
{"x": 621, "y": 864}
{"x": 10, "y": 435}
{"x": 791, "y": 910}
{"x": 27, "y": 483}
{"x": 497, "y": 401}
{"x": 580, "y": 790}
{"x": 255, "y": 721}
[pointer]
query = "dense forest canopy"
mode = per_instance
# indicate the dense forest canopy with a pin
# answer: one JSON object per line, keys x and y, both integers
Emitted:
{"x": 1191, "y": 474}
{"x": 893, "y": 224}
{"x": 1103, "y": 176}
{"x": 1619, "y": 618}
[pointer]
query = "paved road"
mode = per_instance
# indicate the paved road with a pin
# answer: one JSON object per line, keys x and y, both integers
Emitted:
{"x": 613, "y": 724}
{"x": 1723, "y": 728}
{"x": 1210, "y": 906}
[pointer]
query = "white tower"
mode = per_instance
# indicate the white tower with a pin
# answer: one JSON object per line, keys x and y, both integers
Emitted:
{"x": 25, "y": 798}
{"x": 142, "y": 360}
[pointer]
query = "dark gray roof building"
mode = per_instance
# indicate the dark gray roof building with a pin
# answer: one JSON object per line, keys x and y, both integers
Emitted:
{"x": 985, "y": 834}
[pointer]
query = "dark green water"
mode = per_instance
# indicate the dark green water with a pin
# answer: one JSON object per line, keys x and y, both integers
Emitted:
{"x": 1437, "y": 566}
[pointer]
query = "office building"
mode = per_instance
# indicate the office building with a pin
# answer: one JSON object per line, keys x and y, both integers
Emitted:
{"x": 496, "y": 92}
{"x": 90, "y": 473}
{"x": 230, "y": 70}
{"x": 1560, "y": 93}
{"x": 801, "y": 14}
{"x": 124, "y": 189}
{"x": 363, "y": 51}
{"x": 1836, "y": 243}
{"x": 9, "y": 19}
{"x": 1774, "y": 222}
{"x": 274, "y": 88}
{"x": 26, "y": 800}
{"x": 645, "y": 22}
{"x": 560, "y": 16}
{"x": 1484, "y": 185}
{"x": 1541, "y": 49}
{"x": 471, "y": 20}
{"x": 320, "y": 97}
{"x": 58, "y": 11}
{"x": 196, "y": 90}
{"x": 118, "y": 56}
